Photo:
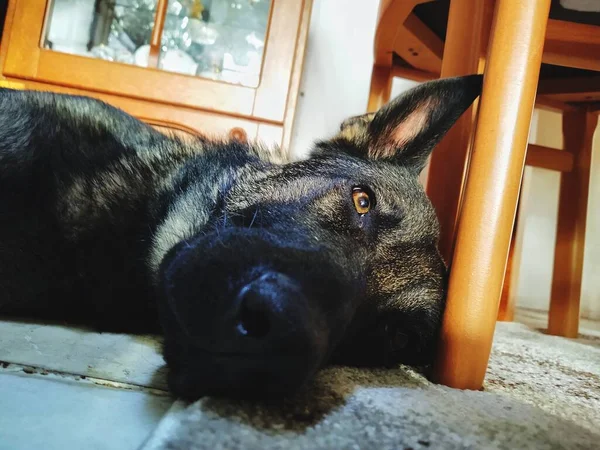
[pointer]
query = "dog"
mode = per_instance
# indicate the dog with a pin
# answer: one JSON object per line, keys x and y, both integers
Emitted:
{"x": 256, "y": 270}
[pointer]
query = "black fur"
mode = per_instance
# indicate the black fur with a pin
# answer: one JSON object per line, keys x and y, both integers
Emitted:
{"x": 257, "y": 272}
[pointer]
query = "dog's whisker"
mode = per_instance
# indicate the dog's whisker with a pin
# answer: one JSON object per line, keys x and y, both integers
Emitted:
{"x": 253, "y": 218}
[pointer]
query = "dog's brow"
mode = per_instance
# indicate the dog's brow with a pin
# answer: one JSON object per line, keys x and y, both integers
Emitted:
{"x": 322, "y": 190}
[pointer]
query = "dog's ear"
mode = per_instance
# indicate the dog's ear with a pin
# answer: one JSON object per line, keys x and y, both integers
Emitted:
{"x": 408, "y": 128}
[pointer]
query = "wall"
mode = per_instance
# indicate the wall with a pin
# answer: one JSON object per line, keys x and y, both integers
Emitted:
{"x": 337, "y": 69}
{"x": 590, "y": 294}
{"x": 537, "y": 227}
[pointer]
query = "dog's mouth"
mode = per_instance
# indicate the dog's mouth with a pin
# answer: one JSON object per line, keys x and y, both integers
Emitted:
{"x": 238, "y": 375}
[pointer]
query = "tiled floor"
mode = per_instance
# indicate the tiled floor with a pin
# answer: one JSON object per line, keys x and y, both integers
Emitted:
{"x": 65, "y": 388}
{"x": 60, "y": 413}
{"x": 70, "y": 389}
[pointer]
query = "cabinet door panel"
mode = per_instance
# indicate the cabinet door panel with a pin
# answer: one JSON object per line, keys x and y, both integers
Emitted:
{"x": 76, "y": 43}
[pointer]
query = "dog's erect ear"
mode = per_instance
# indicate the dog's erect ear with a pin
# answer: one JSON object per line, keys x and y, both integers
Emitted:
{"x": 409, "y": 127}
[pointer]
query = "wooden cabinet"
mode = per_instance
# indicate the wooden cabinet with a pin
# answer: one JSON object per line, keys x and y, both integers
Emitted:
{"x": 179, "y": 65}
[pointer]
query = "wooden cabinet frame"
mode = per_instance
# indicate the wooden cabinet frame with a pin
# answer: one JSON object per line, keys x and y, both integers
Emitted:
{"x": 272, "y": 103}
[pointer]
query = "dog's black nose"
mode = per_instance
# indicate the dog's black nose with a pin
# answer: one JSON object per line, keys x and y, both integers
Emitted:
{"x": 264, "y": 336}
{"x": 267, "y": 306}
{"x": 274, "y": 340}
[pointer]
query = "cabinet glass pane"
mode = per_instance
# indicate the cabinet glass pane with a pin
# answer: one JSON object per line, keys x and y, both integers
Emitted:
{"x": 113, "y": 30}
{"x": 217, "y": 39}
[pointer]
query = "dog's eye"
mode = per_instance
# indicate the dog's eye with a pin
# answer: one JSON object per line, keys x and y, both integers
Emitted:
{"x": 362, "y": 201}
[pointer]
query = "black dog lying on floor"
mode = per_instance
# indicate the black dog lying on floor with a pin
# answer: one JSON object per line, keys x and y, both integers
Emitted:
{"x": 257, "y": 271}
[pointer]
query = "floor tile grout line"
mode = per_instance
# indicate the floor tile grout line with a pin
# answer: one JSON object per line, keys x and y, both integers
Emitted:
{"x": 7, "y": 367}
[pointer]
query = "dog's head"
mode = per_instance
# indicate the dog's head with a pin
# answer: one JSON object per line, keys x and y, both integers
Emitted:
{"x": 333, "y": 258}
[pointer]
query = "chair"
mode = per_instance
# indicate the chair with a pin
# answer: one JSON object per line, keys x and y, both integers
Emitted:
{"x": 533, "y": 52}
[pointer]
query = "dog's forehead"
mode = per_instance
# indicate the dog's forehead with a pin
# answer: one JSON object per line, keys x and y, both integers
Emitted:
{"x": 386, "y": 179}
{"x": 395, "y": 187}
{"x": 354, "y": 168}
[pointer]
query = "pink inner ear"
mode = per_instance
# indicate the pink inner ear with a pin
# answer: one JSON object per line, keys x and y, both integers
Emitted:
{"x": 395, "y": 139}
{"x": 413, "y": 125}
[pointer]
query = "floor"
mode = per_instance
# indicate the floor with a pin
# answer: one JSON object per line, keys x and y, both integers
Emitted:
{"x": 65, "y": 388}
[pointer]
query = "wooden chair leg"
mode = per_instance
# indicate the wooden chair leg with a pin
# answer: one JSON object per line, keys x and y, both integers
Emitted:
{"x": 490, "y": 199}
{"x": 464, "y": 52}
{"x": 381, "y": 87}
{"x": 578, "y": 132}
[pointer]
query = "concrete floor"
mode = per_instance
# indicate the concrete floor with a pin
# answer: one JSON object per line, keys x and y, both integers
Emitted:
{"x": 67, "y": 388}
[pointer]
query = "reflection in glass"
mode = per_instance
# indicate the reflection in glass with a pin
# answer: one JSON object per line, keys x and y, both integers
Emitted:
{"x": 106, "y": 29}
{"x": 217, "y": 39}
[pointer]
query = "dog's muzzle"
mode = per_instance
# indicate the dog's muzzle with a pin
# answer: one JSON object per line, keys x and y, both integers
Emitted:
{"x": 250, "y": 315}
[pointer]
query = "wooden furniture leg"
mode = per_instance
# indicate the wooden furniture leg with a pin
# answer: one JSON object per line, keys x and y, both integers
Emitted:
{"x": 490, "y": 199}
{"x": 464, "y": 52}
{"x": 391, "y": 16}
{"x": 578, "y": 132}
{"x": 381, "y": 87}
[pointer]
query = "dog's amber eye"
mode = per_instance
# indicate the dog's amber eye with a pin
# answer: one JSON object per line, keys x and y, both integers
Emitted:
{"x": 361, "y": 199}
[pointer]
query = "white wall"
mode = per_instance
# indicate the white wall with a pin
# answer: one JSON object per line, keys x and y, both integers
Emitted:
{"x": 590, "y": 294}
{"x": 537, "y": 227}
{"x": 337, "y": 69}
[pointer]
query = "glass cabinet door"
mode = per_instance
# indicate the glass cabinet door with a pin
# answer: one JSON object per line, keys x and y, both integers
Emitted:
{"x": 216, "y": 39}
{"x": 221, "y": 40}
{"x": 112, "y": 30}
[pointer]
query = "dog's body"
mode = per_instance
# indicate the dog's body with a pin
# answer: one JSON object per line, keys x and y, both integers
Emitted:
{"x": 79, "y": 213}
{"x": 258, "y": 271}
